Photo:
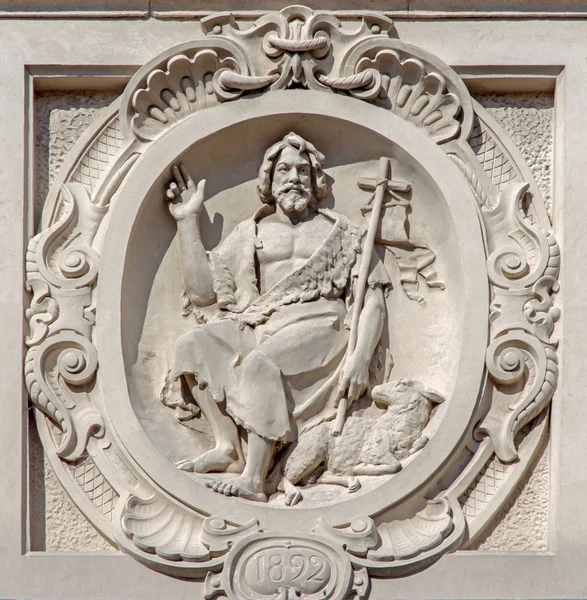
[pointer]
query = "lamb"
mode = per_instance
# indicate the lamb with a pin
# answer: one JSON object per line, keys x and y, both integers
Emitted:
{"x": 367, "y": 445}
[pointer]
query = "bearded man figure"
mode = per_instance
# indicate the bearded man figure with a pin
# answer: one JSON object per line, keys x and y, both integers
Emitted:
{"x": 272, "y": 362}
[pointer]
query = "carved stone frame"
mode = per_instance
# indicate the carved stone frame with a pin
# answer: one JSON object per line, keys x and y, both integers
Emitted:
{"x": 15, "y": 525}
{"x": 81, "y": 261}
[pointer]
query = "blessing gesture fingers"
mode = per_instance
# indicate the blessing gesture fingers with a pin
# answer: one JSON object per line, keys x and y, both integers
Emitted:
{"x": 184, "y": 196}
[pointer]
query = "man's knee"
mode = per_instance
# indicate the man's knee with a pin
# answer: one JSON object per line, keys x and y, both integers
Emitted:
{"x": 200, "y": 336}
{"x": 258, "y": 362}
{"x": 196, "y": 333}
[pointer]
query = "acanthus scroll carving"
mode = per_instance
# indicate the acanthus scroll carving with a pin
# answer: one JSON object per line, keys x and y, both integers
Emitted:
{"x": 61, "y": 361}
{"x": 521, "y": 358}
{"x": 61, "y": 270}
{"x": 68, "y": 362}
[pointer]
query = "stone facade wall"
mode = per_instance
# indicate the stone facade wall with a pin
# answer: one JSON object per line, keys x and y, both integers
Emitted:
{"x": 522, "y": 524}
{"x": 56, "y": 524}
{"x": 529, "y": 121}
{"x": 61, "y": 117}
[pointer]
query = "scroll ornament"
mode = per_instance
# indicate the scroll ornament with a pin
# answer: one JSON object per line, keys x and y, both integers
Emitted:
{"x": 296, "y": 48}
{"x": 521, "y": 358}
{"x": 183, "y": 545}
{"x": 61, "y": 362}
{"x": 61, "y": 271}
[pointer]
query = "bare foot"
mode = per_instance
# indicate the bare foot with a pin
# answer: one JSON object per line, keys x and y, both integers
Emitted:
{"x": 292, "y": 495}
{"x": 220, "y": 459}
{"x": 354, "y": 484}
{"x": 242, "y": 487}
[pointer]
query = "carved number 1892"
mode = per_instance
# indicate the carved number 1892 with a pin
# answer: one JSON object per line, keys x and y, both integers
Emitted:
{"x": 283, "y": 566}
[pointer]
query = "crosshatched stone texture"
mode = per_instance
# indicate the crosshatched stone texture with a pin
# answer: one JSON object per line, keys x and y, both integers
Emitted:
{"x": 522, "y": 524}
{"x": 61, "y": 117}
{"x": 56, "y": 523}
{"x": 528, "y": 120}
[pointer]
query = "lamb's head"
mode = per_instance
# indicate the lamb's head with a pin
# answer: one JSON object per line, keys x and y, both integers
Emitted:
{"x": 405, "y": 395}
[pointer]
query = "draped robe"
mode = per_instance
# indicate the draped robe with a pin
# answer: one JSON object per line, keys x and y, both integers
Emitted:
{"x": 274, "y": 358}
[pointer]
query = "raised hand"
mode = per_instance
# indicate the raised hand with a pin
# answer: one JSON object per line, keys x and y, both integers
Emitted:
{"x": 185, "y": 198}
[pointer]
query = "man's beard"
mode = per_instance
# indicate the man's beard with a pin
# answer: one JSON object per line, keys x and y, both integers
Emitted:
{"x": 293, "y": 198}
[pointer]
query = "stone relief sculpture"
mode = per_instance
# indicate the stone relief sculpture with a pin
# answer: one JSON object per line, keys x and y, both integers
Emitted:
{"x": 369, "y": 316}
{"x": 286, "y": 282}
{"x": 366, "y": 446}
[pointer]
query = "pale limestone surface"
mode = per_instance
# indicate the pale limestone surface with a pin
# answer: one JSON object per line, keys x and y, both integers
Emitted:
{"x": 185, "y": 8}
{"x": 56, "y": 524}
{"x": 61, "y": 117}
{"x": 522, "y": 524}
{"x": 528, "y": 42}
{"x": 136, "y": 210}
{"x": 528, "y": 120}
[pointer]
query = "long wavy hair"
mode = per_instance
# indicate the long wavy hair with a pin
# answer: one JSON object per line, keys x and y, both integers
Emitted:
{"x": 316, "y": 159}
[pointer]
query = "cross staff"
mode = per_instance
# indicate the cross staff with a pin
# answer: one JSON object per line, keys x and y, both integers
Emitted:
{"x": 380, "y": 186}
{"x": 369, "y": 184}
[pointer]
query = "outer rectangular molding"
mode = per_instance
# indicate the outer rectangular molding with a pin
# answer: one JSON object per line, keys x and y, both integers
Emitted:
{"x": 497, "y": 8}
{"x": 78, "y": 77}
{"x": 510, "y": 79}
{"x": 61, "y": 78}
{"x": 187, "y": 9}
{"x": 346, "y": 8}
{"x": 60, "y": 576}
{"x": 399, "y": 9}
{"x": 495, "y": 78}
{"x": 19, "y": 9}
